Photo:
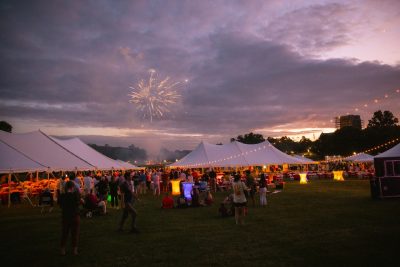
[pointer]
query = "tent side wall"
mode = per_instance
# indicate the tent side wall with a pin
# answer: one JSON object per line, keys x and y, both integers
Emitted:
{"x": 382, "y": 185}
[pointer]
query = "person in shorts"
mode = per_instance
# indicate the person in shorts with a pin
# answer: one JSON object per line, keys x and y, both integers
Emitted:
{"x": 239, "y": 199}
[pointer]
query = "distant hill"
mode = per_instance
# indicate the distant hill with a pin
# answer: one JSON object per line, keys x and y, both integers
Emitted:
{"x": 131, "y": 153}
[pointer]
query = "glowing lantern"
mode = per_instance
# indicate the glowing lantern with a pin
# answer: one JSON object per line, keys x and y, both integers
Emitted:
{"x": 338, "y": 175}
{"x": 175, "y": 187}
{"x": 303, "y": 178}
{"x": 187, "y": 189}
{"x": 285, "y": 167}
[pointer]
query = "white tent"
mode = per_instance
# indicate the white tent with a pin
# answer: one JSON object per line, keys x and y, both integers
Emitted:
{"x": 304, "y": 159}
{"x": 128, "y": 166}
{"x": 360, "y": 157}
{"x": 42, "y": 149}
{"x": 85, "y": 152}
{"x": 391, "y": 153}
{"x": 265, "y": 153}
{"x": 12, "y": 161}
{"x": 234, "y": 154}
{"x": 198, "y": 158}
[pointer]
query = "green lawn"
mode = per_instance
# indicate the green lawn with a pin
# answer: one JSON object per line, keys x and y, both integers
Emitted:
{"x": 323, "y": 223}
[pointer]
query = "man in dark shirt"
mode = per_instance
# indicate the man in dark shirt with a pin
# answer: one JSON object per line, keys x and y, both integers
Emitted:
{"x": 128, "y": 200}
{"x": 69, "y": 202}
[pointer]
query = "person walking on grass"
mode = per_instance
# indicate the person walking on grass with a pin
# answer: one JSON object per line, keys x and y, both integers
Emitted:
{"x": 239, "y": 199}
{"x": 155, "y": 178}
{"x": 263, "y": 190}
{"x": 114, "y": 191}
{"x": 128, "y": 200}
{"x": 69, "y": 203}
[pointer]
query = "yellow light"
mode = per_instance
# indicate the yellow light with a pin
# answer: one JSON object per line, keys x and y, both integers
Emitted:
{"x": 338, "y": 176}
{"x": 354, "y": 153}
{"x": 303, "y": 178}
{"x": 265, "y": 166}
{"x": 175, "y": 187}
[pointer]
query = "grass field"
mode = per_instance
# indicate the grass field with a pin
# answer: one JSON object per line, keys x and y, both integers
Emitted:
{"x": 323, "y": 223}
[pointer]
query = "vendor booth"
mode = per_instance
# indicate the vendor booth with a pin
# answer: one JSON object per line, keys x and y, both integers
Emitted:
{"x": 386, "y": 182}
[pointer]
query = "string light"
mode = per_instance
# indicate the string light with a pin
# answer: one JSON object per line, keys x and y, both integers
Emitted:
{"x": 264, "y": 147}
{"x": 379, "y": 100}
{"x": 365, "y": 106}
{"x": 225, "y": 159}
{"x": 378, "y": 146}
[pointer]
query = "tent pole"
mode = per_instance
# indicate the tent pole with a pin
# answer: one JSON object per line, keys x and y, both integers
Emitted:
{"x": 9, "y": 189}
{"x": 25, "y": 193}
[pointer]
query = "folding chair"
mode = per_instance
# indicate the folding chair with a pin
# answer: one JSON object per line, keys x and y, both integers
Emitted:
{"x": 46, "y": 201}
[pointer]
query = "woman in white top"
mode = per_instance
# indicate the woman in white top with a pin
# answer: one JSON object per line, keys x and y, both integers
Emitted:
{"x": 239, "y": 199}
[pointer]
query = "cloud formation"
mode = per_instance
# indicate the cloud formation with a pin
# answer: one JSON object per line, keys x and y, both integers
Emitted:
{"x": 250, "y": 65}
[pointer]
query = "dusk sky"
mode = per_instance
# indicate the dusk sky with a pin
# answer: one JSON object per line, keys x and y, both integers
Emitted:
{"x": 272, "y": 67}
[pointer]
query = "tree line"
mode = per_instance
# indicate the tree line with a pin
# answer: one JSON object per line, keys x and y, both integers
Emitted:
{"x": 382, "y": 128}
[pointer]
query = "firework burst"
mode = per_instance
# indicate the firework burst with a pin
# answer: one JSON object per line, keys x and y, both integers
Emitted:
{"x": 153, "y": 97}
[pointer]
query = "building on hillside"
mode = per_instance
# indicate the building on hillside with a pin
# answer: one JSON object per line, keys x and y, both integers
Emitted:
{"x": 348, "y": 120}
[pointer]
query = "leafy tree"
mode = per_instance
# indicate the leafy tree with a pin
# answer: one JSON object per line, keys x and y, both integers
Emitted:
{"x": 382, "y": 119}
{"x": 250, "y": 138}
{"x": 286, "y": 144}
{"x": 5, "y": 126}
{"x": 342, "y": 142}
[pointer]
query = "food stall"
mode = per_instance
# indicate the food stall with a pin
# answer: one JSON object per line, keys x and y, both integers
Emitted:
{"x": 386, "y": 182}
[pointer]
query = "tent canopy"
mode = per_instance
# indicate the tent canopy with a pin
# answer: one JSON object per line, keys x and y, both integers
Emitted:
{"x": 37, "y": 151}
{"x": 77, "y": 147}
{"x": 40, "y": 148}
{"x": 360, "y": 157}
{"x": 304, "y": 159}
{"x": 234, "y": 154}
{"x": 394, "y": 152}
{"x": 13, "y": 161}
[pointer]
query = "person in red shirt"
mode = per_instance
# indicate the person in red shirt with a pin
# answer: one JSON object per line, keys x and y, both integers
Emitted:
{"x": 167, "y": 202}
{"x": 92, "y": 203}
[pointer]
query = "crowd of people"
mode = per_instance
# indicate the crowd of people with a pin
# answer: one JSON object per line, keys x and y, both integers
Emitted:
{"x": 89, "y": 192}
